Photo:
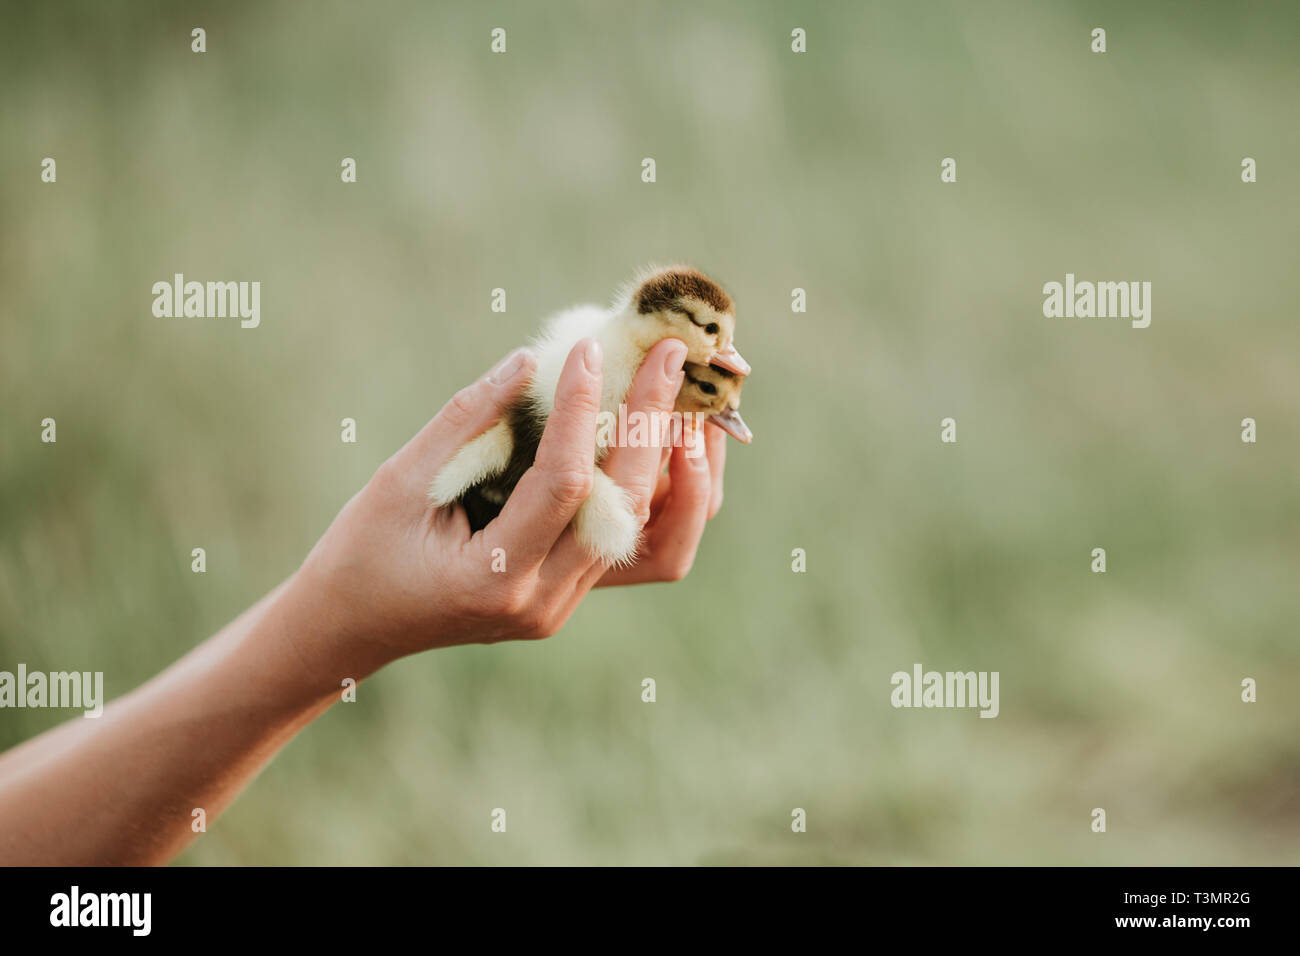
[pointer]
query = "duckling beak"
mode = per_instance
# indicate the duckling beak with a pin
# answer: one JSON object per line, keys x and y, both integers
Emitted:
{"x": 731, "y": 423}
{"x": 731, "y": 360}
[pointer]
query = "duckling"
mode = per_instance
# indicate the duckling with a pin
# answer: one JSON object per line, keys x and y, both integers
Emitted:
{"x": 678, "y": 302}
{"x": 714, "y": 392}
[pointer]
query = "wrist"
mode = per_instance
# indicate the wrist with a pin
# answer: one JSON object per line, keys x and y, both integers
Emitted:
{"x": 323, "y": 640}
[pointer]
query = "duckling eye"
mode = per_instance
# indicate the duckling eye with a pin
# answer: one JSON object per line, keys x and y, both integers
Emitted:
{"x": 712, "y": 329}
{"x": 708, "y": 388}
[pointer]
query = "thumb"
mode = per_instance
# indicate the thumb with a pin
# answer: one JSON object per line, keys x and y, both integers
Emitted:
{"x": 469, "y": 413}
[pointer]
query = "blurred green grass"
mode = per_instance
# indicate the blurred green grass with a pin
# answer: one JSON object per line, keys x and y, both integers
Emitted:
{"x": 774, "y": 171}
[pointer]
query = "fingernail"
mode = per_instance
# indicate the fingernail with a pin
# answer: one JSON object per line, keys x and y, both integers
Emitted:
{"x": 674, "y": 358}
{"x": 591, "y": 356}
{"x": 508, "y": 368}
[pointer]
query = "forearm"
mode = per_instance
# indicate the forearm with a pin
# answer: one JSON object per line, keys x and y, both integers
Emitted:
{"x": 391, "y": 576}
{"x": 122, "y": 788}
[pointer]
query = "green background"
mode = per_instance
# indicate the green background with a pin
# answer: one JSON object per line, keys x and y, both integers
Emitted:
{"x": 775, "y": 171}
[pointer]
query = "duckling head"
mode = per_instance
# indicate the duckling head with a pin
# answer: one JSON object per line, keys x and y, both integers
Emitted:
{"x": 683, "y": 303}
{"x": 714, "y": 392}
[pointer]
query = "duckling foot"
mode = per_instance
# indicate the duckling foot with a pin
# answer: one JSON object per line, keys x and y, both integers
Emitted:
{"x": 606, "y": 523}
{"x": 479, "y": 459}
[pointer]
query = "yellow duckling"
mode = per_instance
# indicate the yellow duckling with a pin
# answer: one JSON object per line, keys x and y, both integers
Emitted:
{"x": 678, "y": 302}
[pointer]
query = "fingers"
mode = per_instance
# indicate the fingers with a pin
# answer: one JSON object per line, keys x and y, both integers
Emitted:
{"x": 663, "y": 486}
{"x": 653, "y": 394}
{"x": 546, "y": 497}
{"x": 715, "y": 443}
{"x": 635, "y": 468}
{"x": 471, "y": 411}
{"x": 681, "y": 523}
{"x": 679, "y": 526}
{"x": 674, "y": 533}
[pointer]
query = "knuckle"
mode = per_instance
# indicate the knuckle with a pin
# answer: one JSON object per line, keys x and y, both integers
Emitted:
{"x": 569, "y": 486}
{"x": 492, "y": 596}
{"x": 512, "y": 601}
{"x": 460, "y": 408}
{"x": 582, "y": 401}
{"x": 637, "y": 497}
{"x": 534, "y": 624}
{"x": 664, "y": 397}
{"x": 388, "y": 477}
{"x": 678, "y": 569}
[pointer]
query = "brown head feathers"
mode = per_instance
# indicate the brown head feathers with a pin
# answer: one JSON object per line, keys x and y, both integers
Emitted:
{"x": 664, "y": 289}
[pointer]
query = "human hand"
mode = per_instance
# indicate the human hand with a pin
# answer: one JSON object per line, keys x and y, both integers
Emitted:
{"x": 391, "y": 576}
{"x": 394, "y": 575}
{"x": 686, "y": 496}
